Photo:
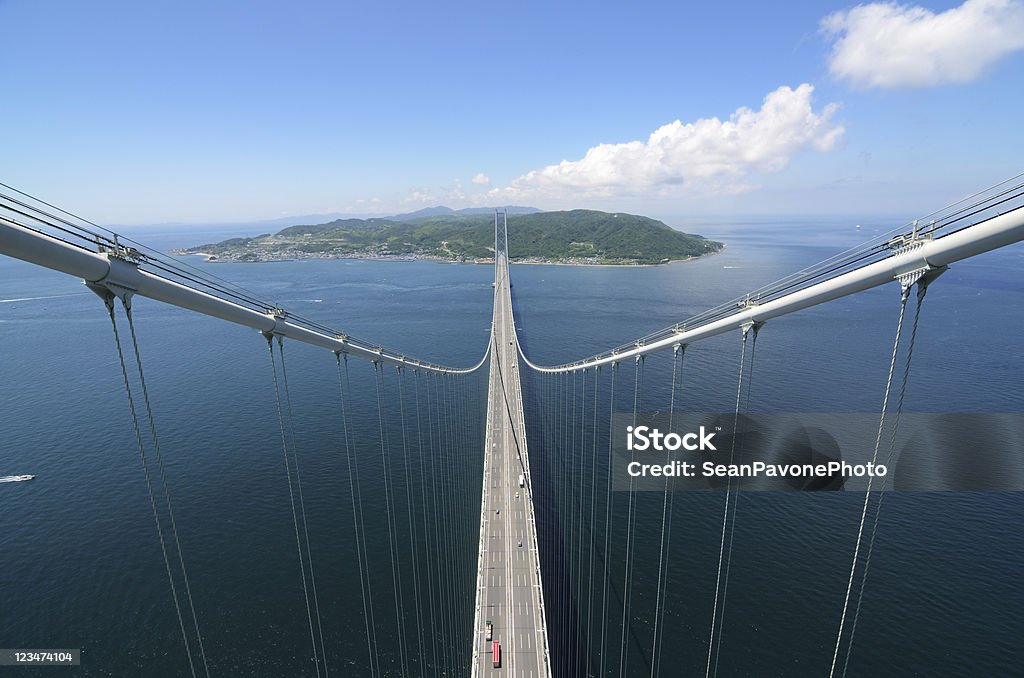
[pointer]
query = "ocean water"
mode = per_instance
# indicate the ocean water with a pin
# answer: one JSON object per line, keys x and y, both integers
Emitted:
{"x": 80, "y": 564}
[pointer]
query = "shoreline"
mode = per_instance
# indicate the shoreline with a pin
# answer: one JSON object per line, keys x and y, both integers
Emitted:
{"x": 216, "y": 259}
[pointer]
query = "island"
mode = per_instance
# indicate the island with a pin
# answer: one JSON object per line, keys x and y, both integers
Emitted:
{"x": 580, "y": 237}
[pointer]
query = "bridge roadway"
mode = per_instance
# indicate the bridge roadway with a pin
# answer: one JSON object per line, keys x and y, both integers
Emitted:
{"x": 509, "y": 590}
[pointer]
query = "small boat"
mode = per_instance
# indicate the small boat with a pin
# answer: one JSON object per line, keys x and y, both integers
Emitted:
{"x": 15, "y": 479}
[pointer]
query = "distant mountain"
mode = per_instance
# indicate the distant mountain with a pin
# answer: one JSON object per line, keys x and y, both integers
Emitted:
{"x": 441, "y": 210}
{"x": 511, "y": 209}
{"x": 575, "y": 236}
{"x": 425, "y": 212}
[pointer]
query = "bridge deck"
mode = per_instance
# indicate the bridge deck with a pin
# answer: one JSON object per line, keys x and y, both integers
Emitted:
{"x": 508, "y": 576}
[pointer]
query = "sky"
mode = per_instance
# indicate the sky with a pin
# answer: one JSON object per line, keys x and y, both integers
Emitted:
{"x": 131, "y": 112}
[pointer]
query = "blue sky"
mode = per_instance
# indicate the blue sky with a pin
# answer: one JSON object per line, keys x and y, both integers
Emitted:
{"x": 131, "y": 113}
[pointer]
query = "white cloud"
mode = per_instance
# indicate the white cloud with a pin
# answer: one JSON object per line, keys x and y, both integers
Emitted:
{"x": 481, "y": 179}
{"x": 450, "y": 194}
{"x": 708, "y": 156}
{"x": 421, "y": 196}
{"x": 890, "y": 45}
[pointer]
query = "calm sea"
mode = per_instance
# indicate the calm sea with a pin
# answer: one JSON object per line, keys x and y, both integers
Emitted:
{"x": 80, "y": 565}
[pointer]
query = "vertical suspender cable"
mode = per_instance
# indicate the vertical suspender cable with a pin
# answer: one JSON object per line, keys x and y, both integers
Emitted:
{"x": 578, "y": 481}
{"x": 678, "y": 354}
{"x": 570, "y": 549}
{"x": 302, "y": 505}
{"x": 725, "y": 517}
{"x": 549, "y": 506}
{"x": 445, "y": 442}
{"x": 396, "y": 567}
{"x": 149, "y": 483}
{"x": 462, "y": 517}
{"x": 453, "y": 517}
{"x": 426, "y": 527}
{"x": 472, "y": 446}
{"x": 291, "y": 497}
{"x": 445, "y": 553}
{"x": 750, "y": 370}
{"x": 469, "y": 520}
{"x": 735, "y": 500}
{"x": 565, "y": 519}
{"x": 593, "y": 519}
{"x": 126, "y": 302}
{"x": 608, "y": 520}
{"x": 867, "y": 493}
{"x": 412, "y": 521}
{"x": 627, "y": 584}
{"x": 922, "y": 288}
{"x": 465, "y": 517}
{"x": 449, "y": 475}
{"x": 438, "y": 550}
{"x": 559, "y": 534}
{"x": 358, "y": 524}
{"x": 458, "y": 519}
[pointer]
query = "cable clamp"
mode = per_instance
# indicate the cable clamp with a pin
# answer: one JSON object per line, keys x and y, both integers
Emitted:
{"x": 120, "y": 282}
{"x": 755, "y": 325}
{"x": 916, "y": 238}
{"x": 922, "y": 276}
{"x": 118, "y": 251}
{"x": 748, "y": 302}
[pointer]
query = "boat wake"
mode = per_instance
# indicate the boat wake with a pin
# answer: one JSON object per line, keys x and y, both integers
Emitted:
{"x": 15, "y": 479}
{"x": 51, "y": 296}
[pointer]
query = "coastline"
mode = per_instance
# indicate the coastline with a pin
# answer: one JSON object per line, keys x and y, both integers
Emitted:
{"x": 216, "y": 259}
{"x": 624, "y": 265}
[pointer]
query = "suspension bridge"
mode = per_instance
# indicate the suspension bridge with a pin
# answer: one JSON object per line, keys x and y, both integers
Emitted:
{"x": 557, "y": 552}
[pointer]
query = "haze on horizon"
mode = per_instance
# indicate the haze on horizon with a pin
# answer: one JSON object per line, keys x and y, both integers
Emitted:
{"x": 134, "y": 113}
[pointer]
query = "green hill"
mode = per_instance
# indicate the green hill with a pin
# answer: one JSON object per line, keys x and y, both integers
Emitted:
{"x": 576, "y": 236}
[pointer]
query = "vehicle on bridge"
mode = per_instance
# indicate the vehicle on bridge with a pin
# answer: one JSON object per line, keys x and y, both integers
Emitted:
{"x": 496, "y": 655}
{"x": 490, "y": 630}
{"x": 522, "y": 480}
